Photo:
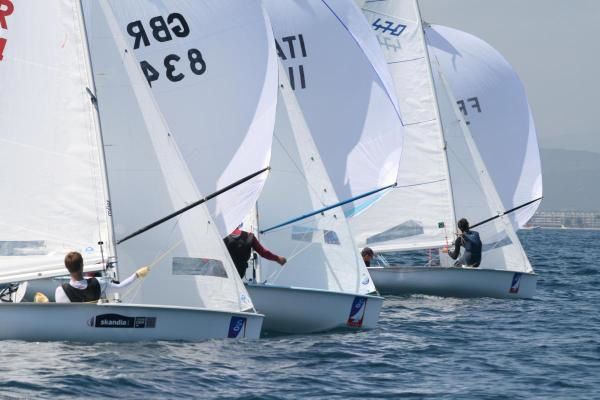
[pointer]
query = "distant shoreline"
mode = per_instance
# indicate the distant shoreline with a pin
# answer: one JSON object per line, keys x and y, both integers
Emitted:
{"x": 558, "y": 228}
{"x": 566, "y": 220}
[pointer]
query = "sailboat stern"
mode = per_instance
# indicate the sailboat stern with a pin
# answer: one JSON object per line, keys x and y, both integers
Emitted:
{"x": 302, "y": 310}
{"x": 123, "y": 323}
{"x": 454, "y": 282}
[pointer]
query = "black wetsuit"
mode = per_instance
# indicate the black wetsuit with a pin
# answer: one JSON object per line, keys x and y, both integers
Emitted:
{"x": 240, "y": 245}
{"x": 472, "y": 243}
{"x": 240, "y": 249}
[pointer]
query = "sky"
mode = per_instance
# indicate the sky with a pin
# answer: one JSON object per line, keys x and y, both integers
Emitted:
{"x": 554, "y": 45}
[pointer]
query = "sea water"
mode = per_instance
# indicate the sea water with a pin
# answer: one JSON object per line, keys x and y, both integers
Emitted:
{"x": 425, "y": 347}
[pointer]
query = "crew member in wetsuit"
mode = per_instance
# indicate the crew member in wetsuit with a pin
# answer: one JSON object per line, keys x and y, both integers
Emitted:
{"x": 367, "y": 255}
{"x": 81, "y": 290}
{"x": 472, "y": 244}
{"x": 240, "y": 245}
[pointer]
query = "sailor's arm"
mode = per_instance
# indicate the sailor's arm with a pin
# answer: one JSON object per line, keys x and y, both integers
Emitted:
{"x": 264, "y": 253}
{"x": 456, "y": 251}
{"x": 112, "y": 287}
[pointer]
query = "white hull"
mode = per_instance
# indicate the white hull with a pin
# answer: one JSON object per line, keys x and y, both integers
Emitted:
{"x": 122, "y": 323}
{"x": 300, "y": 310}
{"x": 454, "y": 282}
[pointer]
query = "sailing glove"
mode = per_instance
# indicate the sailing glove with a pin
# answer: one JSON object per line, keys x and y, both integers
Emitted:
{"x": 142, "y": 272}
{"x": 40, "y": 298}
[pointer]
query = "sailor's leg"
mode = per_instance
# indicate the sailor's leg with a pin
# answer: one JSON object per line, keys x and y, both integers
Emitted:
{"x": 460, "y": 261}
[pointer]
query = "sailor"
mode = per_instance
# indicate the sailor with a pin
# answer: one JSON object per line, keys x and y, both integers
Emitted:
{"x": 240, "y": 245}
{"x": 80, "y": 290}
{"x": 472, "y": 244}
{"x": 367, "y": 255}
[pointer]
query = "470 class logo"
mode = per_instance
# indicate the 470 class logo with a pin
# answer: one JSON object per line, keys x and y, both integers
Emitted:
{"x": 389, "y": 27}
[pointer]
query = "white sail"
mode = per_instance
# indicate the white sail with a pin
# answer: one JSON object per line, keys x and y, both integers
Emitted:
{"x": 340, "y": 80}
{"x": 183, "y": 49}
{"x": 320, "y": 250}
{"x": 418, "y": 213}
{"x": 493, "y": 101}
{"x": 475, "y": 194}
{"x": 54, "y": 195}
{"x": 150, "y": 176}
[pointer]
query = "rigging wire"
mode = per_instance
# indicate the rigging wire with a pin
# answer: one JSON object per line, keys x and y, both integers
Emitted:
{"x": 138, "y": 284}
{"x": 299, "y": 169}
{"x": 275, "y": 274}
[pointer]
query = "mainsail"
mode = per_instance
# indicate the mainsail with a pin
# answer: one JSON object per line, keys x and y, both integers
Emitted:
{"x": 418, "y": 213}
{"x": 196, "y": 62}
{"x": 54, "y": 195}
{"x": 147, "y": 135}
{"x": 493, "y": 101}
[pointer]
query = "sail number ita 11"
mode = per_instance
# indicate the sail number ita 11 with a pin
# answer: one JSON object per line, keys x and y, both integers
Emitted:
{"x": 164, "y": 30}
{"x": 6, "y": 9}
{"x": 296, "y": 49}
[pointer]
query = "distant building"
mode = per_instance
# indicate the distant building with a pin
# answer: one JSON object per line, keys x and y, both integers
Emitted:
{"x": 566, "y": 219}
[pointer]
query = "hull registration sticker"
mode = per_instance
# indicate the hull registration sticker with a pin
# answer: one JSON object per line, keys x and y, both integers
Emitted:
{"x": 516, "y": 282}
{"x": 357, "y": 312}
{"x": 237, "y": 327}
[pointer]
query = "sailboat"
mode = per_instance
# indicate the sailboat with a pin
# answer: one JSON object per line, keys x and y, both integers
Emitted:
{"x": 460, "y": 132}
{"x": 331, "y": 95}
{"x": 65, "y": 158}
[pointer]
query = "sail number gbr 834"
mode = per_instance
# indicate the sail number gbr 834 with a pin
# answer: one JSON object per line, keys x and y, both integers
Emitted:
{"x": 164, "y": 30}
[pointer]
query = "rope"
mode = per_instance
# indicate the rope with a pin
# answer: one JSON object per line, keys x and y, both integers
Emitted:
{"x": 135, "y": 289}
{"x": 277, "y": 272}
{"x": 138, "y": 283}
{"x": 164, "y": 254}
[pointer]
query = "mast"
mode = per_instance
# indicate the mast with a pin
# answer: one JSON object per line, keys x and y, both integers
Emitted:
{"x": 112, "y": 248}
{"x": 436, "y": 107}
{"x": 257, "y": 274}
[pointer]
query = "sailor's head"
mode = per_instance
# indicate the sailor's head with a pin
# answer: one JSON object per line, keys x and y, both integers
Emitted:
{"x": 463, "y": 225}
{"x": 74, "y": 262}
{"x": 367, "y": 254}
{"x": 236, "y": 232}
